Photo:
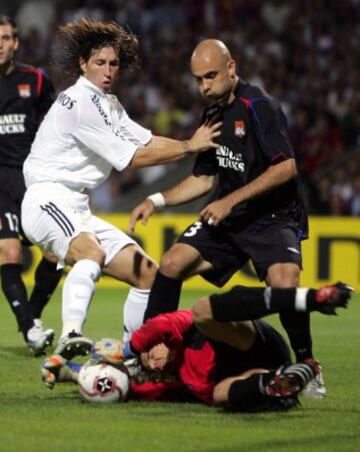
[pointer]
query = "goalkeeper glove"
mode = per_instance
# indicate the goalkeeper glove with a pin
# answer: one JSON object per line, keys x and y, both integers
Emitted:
{"x": 55, "y": 368}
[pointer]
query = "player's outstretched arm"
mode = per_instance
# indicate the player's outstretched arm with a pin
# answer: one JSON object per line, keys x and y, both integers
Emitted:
{"x": 161, "y": 150}
{"x": 187, "y": 190}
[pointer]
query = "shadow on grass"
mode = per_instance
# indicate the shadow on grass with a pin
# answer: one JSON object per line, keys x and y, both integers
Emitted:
{"x": 295, "y": 414}
{"x": 18, "y": 350}
{"x": 311, "y": 442}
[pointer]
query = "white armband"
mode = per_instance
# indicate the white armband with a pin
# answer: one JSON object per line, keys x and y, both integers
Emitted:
{"x": 158, "y": 200}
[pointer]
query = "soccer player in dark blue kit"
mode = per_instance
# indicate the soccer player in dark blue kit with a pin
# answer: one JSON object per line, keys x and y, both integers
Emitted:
{"x": 257, "y": 212}
{"x": 26, "y": 95}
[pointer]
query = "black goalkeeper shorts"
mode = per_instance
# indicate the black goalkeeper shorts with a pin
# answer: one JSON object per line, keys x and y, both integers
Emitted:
{"x": 265, "y": 242}
{"x": 269, "y": 351}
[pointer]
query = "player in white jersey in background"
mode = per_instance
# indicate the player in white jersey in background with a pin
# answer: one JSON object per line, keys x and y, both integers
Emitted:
{"x": 85, "y": 134}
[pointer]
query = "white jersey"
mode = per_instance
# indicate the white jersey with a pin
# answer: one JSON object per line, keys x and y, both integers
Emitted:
{"x": 83, "y": 136}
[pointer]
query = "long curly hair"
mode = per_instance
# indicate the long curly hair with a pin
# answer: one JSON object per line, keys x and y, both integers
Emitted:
{"x": 82, "y": 38}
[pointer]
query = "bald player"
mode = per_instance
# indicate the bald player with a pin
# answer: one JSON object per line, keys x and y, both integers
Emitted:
{"x": 256, "y": 212}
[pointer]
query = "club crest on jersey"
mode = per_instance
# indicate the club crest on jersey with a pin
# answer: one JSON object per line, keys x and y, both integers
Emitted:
{"x": 239, "y": 128}
{"x": 24, "y": 90}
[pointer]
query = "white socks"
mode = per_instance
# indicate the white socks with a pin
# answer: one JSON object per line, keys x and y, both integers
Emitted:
{"x": 134, "y": 310}
{"x": 77, "y": 293}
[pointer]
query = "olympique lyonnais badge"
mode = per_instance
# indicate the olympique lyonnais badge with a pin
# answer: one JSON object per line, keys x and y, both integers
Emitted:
{"x": 24, "y": 90}
{"x": 239, "y": 128}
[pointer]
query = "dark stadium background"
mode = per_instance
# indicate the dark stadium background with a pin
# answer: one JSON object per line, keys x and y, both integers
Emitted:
{"x": 304, "y": 52}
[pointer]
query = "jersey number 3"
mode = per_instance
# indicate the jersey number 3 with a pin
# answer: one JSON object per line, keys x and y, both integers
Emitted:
{"x": 193, "y": 229}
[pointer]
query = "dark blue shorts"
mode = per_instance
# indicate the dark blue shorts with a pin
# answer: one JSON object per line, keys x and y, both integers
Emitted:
{"x": 265, "y": 242}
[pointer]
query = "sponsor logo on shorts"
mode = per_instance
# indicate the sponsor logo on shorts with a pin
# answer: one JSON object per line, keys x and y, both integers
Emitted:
{"x": 293, "y": 250}
{"x": 229, "y": 159}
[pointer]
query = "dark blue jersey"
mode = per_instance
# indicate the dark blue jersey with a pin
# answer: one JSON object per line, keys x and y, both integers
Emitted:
{"x": 254, "y": 136}
{"x": 26, "y": 94}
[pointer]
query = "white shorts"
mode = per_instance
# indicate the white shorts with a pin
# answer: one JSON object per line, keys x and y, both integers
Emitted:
{"x": 52, "y": 215}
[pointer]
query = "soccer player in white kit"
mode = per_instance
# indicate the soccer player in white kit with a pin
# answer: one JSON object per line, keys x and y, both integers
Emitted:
{"x": 85, "y": 134}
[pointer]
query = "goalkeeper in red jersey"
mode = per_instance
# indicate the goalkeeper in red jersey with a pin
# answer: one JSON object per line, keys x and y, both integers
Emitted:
{"x": 242, "y": 365}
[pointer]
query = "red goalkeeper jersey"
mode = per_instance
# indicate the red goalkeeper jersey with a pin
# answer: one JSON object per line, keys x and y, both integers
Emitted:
{"x": 194, "y": 358}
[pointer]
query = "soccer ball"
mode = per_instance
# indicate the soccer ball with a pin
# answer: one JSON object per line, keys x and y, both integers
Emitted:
{"x": 103, "y": 383}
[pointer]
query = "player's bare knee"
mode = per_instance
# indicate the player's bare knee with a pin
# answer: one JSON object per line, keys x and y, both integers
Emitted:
{"x": 283, "y": 275}
{"x": 94, "y": 252}
{"x": 97, "y": 254}
{"x": 202, "y": 312}
{"x": 171, "y": 265}
{"x": 11, "y": 253}
{"x": 85, "y": 247}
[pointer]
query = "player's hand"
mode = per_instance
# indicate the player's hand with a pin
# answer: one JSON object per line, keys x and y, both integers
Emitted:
{"x": 141, "y": 212}
{"x": 108, "y": 350}
{"x": 203, "y": 138}
{"x": 216, "y": 211}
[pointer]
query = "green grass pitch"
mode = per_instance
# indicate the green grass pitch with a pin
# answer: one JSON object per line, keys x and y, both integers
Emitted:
{"x": 32, "y": 418}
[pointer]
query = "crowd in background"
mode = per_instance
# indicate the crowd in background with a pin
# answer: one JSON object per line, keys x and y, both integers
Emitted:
{"x": 303, "y": 52}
